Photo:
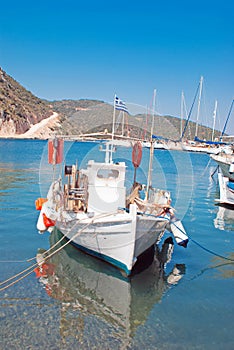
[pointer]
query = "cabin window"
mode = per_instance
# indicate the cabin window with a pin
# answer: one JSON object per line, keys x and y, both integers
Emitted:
{"x": 107, "y": 174}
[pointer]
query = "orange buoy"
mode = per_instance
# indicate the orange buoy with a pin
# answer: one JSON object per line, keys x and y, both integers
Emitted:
{"x": 44, "y": 270}
{"x": 39, "y": 202}
{"x": 55, "y": 151}
{"x": 137, "y": 154}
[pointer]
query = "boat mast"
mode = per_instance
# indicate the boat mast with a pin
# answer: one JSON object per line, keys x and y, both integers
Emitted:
{"x": 123, "y": 120}
{"x": 225, "y": 125}
{"x": 190, "y": 112}
{"x": 149, "y": 179}
{"x": 183, "y": 110}
{"x": 113, "y": 133}
{"x": 181, "y": 113}
{"x": 214, "y": 119}
{"x": 198, "y": 107}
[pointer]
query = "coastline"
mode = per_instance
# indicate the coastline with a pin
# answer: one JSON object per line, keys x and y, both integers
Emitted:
{"x": 39, "y": 131}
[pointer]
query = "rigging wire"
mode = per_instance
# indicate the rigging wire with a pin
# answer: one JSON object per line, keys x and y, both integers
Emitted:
{"x": 190, "y": 112}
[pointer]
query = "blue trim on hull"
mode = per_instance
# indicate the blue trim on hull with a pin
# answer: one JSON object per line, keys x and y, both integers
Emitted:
{"x": 111, "y": 261}
{"x": 230, "y": 185}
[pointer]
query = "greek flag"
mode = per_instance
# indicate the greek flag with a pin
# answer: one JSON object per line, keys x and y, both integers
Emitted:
{"x": 120, "y": 105}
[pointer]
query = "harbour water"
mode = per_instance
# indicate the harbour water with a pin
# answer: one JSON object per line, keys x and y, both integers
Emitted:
{"x": 83, "y": 303}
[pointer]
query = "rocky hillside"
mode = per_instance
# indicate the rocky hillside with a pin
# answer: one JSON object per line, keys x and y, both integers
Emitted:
{"x": 91, "y": 116}
{"x": 19, "y": 108}
{"x": 24, "y": 115}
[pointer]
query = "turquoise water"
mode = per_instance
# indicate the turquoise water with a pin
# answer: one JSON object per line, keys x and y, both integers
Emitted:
{"x": 81, "y": 302}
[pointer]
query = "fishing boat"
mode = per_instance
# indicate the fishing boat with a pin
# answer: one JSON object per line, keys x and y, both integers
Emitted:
{"x": 225, "y": 176}
{"x": 93, "y": 211}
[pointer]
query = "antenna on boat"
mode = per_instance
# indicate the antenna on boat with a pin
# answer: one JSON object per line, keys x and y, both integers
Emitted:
{"x": 149, "y": 179}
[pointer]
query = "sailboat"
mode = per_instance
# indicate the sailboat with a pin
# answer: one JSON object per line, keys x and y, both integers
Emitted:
{"x": 225, "y": 161}
{"x": 225, "y": 177}
{"x": 198, "y": 145}
{"x": 92, "y": 210}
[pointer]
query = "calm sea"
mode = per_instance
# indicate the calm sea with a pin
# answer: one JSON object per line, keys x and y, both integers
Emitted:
{"x": 83, "y": 303}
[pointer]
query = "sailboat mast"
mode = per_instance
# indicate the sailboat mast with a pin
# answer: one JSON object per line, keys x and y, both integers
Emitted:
{"x": 214, "y": 119}
{"x": 181, "y": 113}
{"x": 225, "y": 125}
{"x": 198, "y": 107}
{"x": 190, "y": 112}
{"x": 149, "y": 179}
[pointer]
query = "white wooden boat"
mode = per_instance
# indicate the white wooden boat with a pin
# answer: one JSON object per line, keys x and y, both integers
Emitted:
{"x": 226, "y": 189}
{"x": 93, "y": 211}
{"x": 193, "y": 146}
{"x": 225, "y": 177}
{"x": 226, "y": 163}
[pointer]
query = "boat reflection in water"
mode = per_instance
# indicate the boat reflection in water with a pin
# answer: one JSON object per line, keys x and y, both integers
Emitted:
{"x": 225, "y": 218}
{"x": 86, "y": 286}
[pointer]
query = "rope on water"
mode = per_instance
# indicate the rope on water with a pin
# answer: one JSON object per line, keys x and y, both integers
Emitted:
{"x": 193, "y": 240}
{"x": 210, "y": 251}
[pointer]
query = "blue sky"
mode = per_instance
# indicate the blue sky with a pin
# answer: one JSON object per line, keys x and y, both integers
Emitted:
{"x": 94, "y": 49}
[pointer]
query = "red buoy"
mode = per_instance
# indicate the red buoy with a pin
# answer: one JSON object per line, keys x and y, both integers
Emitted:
{"x": 137, "y": 154}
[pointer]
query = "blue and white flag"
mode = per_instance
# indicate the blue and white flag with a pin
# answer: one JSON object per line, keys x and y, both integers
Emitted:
{"x": 120, "y": 105}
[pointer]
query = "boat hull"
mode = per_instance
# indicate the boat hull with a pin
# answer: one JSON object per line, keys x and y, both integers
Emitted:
{"x": 224, "y": 162}
{"x": 226, "y": 191}
{"x": 118, "y": 242}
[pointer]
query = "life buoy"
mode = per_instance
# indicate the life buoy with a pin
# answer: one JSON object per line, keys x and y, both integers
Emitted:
{"x": 137, "y": 154}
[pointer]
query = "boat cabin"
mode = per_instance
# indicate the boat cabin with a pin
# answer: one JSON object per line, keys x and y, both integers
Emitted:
{"x": 106, "y": 190}
{"x": 96, "y": 189}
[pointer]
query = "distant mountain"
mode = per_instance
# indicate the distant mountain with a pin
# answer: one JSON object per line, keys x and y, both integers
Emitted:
{"x": 20, "y": 110}
{"x": 90, "y": 116}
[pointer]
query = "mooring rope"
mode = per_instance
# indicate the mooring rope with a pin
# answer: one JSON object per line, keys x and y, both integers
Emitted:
{"x": 30, "y": 269}
{"x": 193, "y": 240}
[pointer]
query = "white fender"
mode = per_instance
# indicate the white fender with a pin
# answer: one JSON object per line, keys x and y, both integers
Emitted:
{"x": 50, "y": 212}
{"x": 40, "y": 223}
{"x": 231, "y": 168}
{"x": 179, "y": 233}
